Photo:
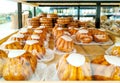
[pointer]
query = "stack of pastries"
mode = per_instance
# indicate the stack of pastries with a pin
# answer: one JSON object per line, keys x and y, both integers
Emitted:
{"x": 64, "y": 43}
{"x": 20, "y": 65}
{"x": 73, "y": 66}
{"x": 3, "y": 57}
{"x": 33, "y": 22}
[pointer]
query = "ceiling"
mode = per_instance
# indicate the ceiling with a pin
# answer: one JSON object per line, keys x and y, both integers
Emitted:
{"x": 68, "y": 2}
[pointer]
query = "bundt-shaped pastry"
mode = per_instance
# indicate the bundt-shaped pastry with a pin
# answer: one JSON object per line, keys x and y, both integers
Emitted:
{"x": 45, "y": 20}
{"x": 73, "y": 67}
{"x": 41, "y": 34}
{"x": 64, "y": 43}
{"x": 20, "y": 65}
{"x": 72, "y": 30}
{"x": 3, "y": 57}
{"x": 12, "y": 45}
{"x": 106, "y": 67}
{"x": 84, "y": 36}
{"x": 18, "y": 37}
{"x": 57, "y": 32}
{"x": 115, "y": 51}
{"x": 35, "y": 48}
{"x": 99, "y": 35}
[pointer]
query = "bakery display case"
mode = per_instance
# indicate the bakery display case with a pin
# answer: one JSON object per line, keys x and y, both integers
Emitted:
{"x": 59, "y": 45}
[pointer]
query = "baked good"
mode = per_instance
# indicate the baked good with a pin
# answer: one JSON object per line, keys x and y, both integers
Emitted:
{"x": 20, "y": 65}
{"x": 115, "y": 51}
{"x": 12, "y": 45}
{"x": 34, "y": 47}
{"x": 36, "y": 37}
{"x": 18, "y": 37}
{"x": 42, "y": 34}
{"x": 84, "y": 36}
{"x": 25, "y": 31}
{"x": 106, "y": 67}
{"x": 33, "y": 22}
{"x": 45, "y": 20}
{"x": 64, "y": 43}
{"x": 100, "y": 36}
{"x": 3, "y": 57}
{"x": 57, "y": 32}
{"x": 72, "y": 30}
{"x": 63, "y": 20}
{"x": 73, "y": 66}
{"x": 52, "y": 16}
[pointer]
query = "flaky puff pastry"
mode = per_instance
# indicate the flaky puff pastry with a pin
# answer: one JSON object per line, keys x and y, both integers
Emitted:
{"x": 115, "y": 51}
{"x": 68, "y": 72}
{"x": 20, "y": 67}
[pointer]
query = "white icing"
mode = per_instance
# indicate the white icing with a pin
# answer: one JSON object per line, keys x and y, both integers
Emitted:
{"x": 83, "y": 31}
{"x": 15, "y": 53}
{"x": 76, "y": 59}
{"x": 67, "y": 33}
{"x": 23, "y": 30}
{"x": 67, "y": 38}
{"x": 38, "y": 31}
{"x": 35, "y": 37}
{"x": 29, "y": 27}
{"x": 59, "y": 28}
{"x": 115, "y": 60}
{"x": 41, "y": 27}
{"x": 31, "y": 42}
{"x": 117, "y": 44}
{"x": 9, "y": 42}
{"x": 18, "y": 35}
{"x": 100, "y": 36}
{"x": 76, "y": 28}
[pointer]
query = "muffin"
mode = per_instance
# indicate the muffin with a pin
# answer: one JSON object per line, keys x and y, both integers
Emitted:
{"x": 3, "y": 57}
{"x": 84, "y": 36}
{"x": 34, "y": 47}
{"x": 20, "y": 65}
{"x": 73, "y": 66}
{"x": 64, "y": 43}
{"x": 106, "y": 67}
{"x": 12, "y": 45}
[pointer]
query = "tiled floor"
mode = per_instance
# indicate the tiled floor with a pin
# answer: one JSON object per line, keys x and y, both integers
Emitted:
{"x": 5, "y": 30}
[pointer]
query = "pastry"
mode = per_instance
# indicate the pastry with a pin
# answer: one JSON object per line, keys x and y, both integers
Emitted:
{"x": 64, "y": 43}
{"x": 72, "y": 30}
{"x": 73, "y": 66}
{"x": 20, "y": 65}
{"x": 57, "y": 32}
{"x": 115, "y": 51}
{"x": 12, "y": 45}
{"x": 34, "y": 47}
{"x": 3, "y": 57}
{"x": 106, "y": 67}
{"x": 84, "y": 36}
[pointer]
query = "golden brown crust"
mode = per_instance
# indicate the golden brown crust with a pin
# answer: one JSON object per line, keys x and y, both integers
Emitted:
{"x": 115, "y": 51}
{"x": 20, "y": 68}
{"x": 69, "y": 72}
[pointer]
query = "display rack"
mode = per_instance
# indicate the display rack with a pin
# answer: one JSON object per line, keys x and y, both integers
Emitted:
{"x": 72, "y": 3}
